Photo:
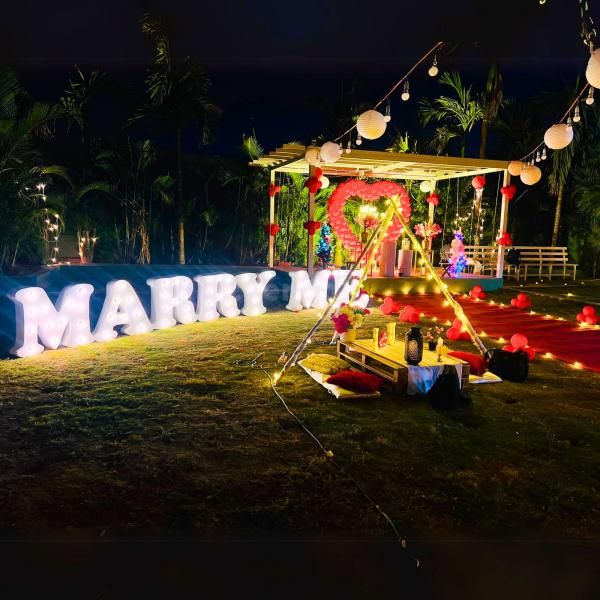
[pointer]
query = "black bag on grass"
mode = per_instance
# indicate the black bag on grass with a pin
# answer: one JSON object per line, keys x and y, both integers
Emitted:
{"x": 445, "y": 393}
{"x": 512, "y": 366}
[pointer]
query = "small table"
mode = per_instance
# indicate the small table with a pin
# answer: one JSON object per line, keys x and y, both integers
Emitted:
{"x": 388, "y": 362}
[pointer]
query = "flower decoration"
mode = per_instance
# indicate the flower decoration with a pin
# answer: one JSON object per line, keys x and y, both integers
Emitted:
{"x": 433, "y": 199}
{"x": 348, "y": 317}
{"x": 272, "y": 229}
{"x": 409, "y": 314}
{"x": 505, "y": 239}
{"x": 509, "y": 191}
{"x": 428, "y": 231}
{"x": 311, "y": 226}
{"x": 274, "y": 189}
{"x": 313, "y": 184}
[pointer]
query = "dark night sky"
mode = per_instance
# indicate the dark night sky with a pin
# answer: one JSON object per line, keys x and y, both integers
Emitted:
{"x": 270, "y": 60}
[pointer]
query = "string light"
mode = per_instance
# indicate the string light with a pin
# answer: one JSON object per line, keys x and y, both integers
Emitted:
{"x": 349, "y": 146}
{"x": 544, "y": 153}
{"x": 406, "y": 91}
{"x": 576, "y": 115}
{"x": 358, "y": 139}
{"x": 388, "y": 113}
{"x": 590, "y": 97}
{"x": 433, "y": 70}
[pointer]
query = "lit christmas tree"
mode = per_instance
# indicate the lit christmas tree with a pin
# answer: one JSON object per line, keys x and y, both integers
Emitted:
{"x": 324, "y": 246}
{"x": 458, "y": 262}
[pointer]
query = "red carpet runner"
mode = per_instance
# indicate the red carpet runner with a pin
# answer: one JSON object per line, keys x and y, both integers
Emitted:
{"x": 566, "y": 340}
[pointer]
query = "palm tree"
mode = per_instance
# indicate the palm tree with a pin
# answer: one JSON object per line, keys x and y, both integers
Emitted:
{"x": 492, "y": 101}
{"x": 455, "y": 117}
{"x": 178, "y": 99}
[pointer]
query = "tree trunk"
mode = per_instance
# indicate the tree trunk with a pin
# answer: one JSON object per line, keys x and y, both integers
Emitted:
{"x": 179, "y": 199}
{"x": 559, "y": 199}
{"x": 484, "y": 136}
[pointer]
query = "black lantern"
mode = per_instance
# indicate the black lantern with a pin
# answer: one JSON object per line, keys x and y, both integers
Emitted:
{"x": 413, "y": 349}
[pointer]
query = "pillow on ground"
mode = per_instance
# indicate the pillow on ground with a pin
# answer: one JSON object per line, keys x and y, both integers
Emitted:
{"x": 327, "y": 364}
{"x": 355, "y": 381}
{"x": 478, "y": 364}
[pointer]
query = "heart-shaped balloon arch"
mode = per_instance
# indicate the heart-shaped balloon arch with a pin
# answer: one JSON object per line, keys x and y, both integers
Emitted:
{"x": 369, "y": 192}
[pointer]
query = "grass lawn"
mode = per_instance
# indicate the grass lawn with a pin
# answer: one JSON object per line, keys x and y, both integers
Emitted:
{"x": 164, "y": 433}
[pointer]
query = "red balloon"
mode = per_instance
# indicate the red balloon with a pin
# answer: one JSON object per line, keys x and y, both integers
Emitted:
{"x": 478, "y": 182}
{"x": 518, "y": 340}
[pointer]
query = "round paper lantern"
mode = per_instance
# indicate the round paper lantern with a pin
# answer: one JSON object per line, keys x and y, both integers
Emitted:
{"x": 515, "y": 167}
{"x": 426, "y": 186}
{"x": 592, "y": 72}
{"x": 371, "y": 124}
{"x": 558, "y": 136}
{"x": 324, "y": 182}
{"x": 312, "y": 156}
{"x": 330, "y": 152}
{"x": 530, "y": 175}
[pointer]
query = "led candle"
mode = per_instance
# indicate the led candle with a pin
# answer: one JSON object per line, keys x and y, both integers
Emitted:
{"x": 391, "y": 333}
{"x": 375, "y": 337}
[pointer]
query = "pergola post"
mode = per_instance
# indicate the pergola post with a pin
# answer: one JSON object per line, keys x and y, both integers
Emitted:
{"x": 271, "y": 221}
{"x": 431, "y": 217}
{"x": 503, "y": 226}
{"x": 310, "y": 253}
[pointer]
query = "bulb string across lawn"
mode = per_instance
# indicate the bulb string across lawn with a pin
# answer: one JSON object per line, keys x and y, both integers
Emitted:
{"x": 329, "y": 455}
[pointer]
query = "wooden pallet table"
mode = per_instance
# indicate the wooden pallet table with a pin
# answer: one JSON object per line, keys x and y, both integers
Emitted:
{"x": 388, "y": 362}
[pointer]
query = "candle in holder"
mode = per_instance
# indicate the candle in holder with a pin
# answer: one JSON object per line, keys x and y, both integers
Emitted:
{"x": 375, "y": 337}
{"x": 391, "y": 333}
{"x": 438, "y": 348}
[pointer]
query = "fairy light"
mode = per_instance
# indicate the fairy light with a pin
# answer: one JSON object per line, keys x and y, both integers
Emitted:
{"x": 577, "y": 365}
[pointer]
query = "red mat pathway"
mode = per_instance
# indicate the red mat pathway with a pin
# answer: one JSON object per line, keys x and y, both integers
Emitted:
{"x": 566, "y": 340}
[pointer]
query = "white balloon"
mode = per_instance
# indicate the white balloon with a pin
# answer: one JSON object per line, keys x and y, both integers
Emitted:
{"x": 371, "y": 124}
{"x": 558, "y": 136}
{"x": 330, "y": 152}
{"x": 324, "y": 182}
{"x": 425, "y": 186}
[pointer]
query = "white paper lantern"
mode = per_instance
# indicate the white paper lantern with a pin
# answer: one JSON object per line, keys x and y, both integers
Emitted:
{"x": 312, "y": 156}
{"x": 592, "y": 72}
{"x": 324, "y": 182}
{"x": 558, "y": 136}
{"x": 330, "y": 152}
{"x": 530, "y": 175}
{"x": 371, "y": 124}
{"x": 426, "y": 186}
{"x": 515, "y": 167}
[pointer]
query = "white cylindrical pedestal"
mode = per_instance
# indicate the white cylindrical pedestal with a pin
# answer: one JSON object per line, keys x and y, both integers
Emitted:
{"x": 405, "y": 263}
{"x": 387, "y": 259}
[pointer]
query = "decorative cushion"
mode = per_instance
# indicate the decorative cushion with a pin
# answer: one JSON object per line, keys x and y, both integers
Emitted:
{"x": 478, "y": 364}
{"x": 328, "y": 364}
{"x": 356, "y": 381}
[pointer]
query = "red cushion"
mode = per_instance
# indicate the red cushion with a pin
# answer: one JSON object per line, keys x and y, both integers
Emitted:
{"x": 355, "y": 381}
{"x": 477, "y": 363}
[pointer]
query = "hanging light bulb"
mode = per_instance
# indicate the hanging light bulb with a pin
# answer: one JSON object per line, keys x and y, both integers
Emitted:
{"x": 406, "y": 92}
{"x": 576, "y": 115}
{"x": 349, "y": 145}
{"x": 388, "y": 113}
{"x": 358, "y": 139}
{"x": 590, "y": 97}
{"x": 538, "y": 157}
{"x": 570, "y": 122}
{"x": 544, "y": 154}
{"x": 433, "y": 69}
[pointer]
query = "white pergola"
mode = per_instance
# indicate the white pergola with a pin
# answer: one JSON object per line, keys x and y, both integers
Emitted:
{"x": 289, "y": 158}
